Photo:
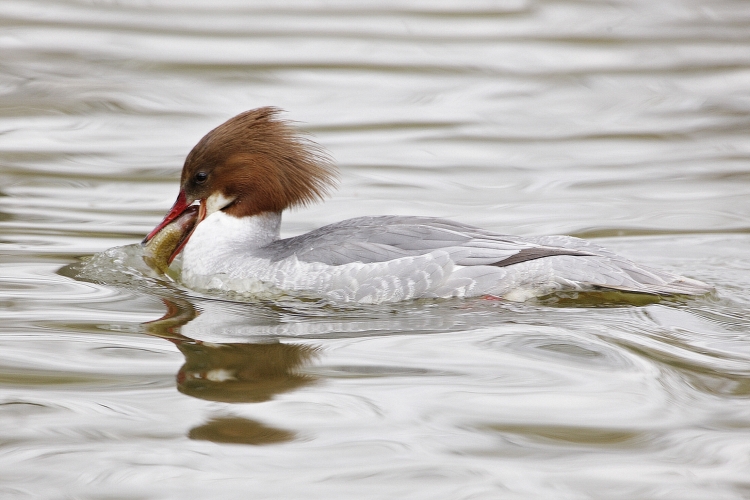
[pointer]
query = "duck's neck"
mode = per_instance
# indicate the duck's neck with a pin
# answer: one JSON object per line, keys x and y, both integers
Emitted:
{"x": 220, "y": 233}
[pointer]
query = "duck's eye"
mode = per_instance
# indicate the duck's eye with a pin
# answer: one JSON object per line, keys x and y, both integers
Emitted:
{"x": 201, "y": 177}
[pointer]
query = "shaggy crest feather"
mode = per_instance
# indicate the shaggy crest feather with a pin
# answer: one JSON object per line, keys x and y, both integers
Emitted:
{"x": 262, "y": 161}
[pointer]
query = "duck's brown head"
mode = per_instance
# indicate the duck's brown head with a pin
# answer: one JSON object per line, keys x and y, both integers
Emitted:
{"x": 252, "y": 163}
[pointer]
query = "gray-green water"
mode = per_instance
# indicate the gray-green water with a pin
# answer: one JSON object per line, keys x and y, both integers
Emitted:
{"x": 622, "y": 121}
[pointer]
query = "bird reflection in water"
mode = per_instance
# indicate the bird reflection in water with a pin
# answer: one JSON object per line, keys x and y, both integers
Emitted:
{"x": 232, "y": 373}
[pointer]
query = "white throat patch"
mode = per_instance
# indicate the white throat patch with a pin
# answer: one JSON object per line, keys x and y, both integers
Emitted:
{"x": 216, "y": 202}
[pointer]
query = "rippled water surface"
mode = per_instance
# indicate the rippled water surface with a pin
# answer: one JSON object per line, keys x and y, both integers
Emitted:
{"x": 623, "y": 121}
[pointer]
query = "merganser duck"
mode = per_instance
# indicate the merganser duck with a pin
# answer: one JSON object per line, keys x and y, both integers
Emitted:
{"x": 245, "y": 172}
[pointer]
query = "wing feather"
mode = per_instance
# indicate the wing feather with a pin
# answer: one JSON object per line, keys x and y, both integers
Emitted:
{"x": 472, "y": 260}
